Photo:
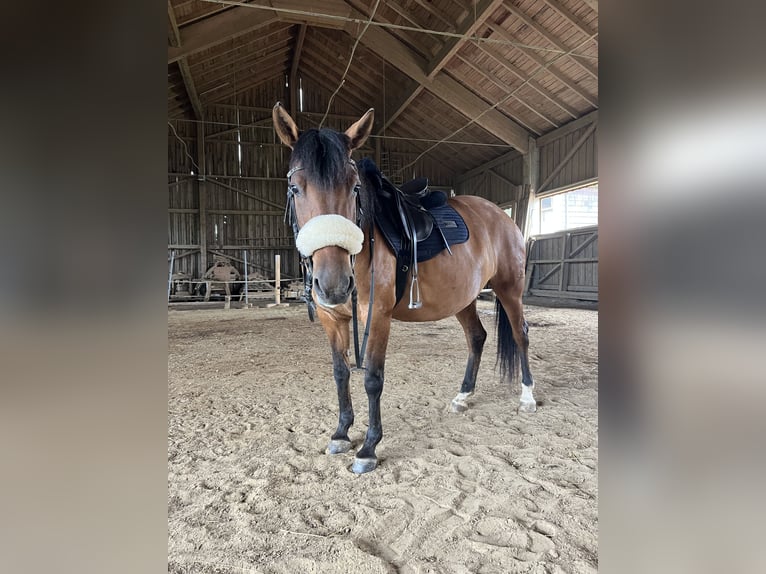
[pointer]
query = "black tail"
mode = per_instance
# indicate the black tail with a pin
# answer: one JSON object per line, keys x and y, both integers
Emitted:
{"x": 507, "y": 351}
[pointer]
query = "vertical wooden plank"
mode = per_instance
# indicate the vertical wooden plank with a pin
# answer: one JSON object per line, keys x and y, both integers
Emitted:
{"x": 564, "y": 275}
{"x": 202, "y": 194}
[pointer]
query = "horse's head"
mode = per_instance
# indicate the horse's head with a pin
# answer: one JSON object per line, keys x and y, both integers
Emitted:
{"x": 323, "y": 188}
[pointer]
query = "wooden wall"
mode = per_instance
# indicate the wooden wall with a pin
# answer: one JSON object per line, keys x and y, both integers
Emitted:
{"x": 243, "y": 201}
{"x": 554, "y": 148}
{"x": 500, "y": 181}
{"x": 564, "y": 265}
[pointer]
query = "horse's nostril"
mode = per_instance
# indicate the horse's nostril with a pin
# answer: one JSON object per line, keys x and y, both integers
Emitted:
{"x": 350, "y": 283}
{"x": 317, "y": 286}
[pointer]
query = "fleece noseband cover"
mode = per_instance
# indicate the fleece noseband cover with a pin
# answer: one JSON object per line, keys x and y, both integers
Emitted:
{"x": 331, "y": 229}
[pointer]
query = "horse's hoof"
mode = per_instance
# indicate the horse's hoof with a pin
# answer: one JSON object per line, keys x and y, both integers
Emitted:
{"x": 338, "y": 446}
{"x": 458, "y": 406}
{"x": 362, "y": 465}
{"x": 527, "y": 406}
{"x": 460, "y": 402}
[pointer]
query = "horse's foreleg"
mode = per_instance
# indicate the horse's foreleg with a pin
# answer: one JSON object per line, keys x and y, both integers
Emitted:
{"x": 337, "y": 332}
{"x": 366, "y": 459}
{"x": 475, "y": 336}
{"x": 340, "y": 442}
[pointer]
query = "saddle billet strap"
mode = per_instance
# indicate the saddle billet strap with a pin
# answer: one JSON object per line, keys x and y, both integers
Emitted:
{"x": 359, "y": 353}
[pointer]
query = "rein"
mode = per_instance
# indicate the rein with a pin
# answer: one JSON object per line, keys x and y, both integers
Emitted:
{"x": 308, "y": 265}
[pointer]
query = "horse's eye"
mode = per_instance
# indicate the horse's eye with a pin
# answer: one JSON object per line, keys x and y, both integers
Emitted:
{"x": 357, "y": 188}
{"x": 292, "y": 188}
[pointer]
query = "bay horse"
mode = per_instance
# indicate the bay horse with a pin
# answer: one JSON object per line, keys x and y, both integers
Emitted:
{"x": 333, "y": 218}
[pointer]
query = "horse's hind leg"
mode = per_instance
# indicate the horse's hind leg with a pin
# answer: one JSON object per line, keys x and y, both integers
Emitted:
{"x": 475, "y": 336}
{"x": 517, "y": 349}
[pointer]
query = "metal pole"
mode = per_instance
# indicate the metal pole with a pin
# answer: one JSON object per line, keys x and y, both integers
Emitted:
{"x": 247, "y": 302}
{"x": 170, "y": 271}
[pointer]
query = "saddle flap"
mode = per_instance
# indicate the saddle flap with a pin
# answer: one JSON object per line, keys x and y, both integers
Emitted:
{"x": 415, "y": 220}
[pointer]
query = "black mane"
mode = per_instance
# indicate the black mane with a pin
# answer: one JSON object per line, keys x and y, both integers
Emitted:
{"x": 323, "y": 154}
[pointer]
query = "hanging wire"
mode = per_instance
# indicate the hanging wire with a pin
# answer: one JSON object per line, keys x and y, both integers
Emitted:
{"x": 401, "y": 27}
{"x": 186, "y": 149}
{"x": 350, "y": 59}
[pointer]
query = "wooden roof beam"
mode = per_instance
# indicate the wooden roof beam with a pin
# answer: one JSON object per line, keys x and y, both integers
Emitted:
{"x": 401, "y": 107}
{"x": 183, "y": 66}
{"x": 549, "y": 37}
{"x": 219, "y": 28}
{"x": 484, "y": 10}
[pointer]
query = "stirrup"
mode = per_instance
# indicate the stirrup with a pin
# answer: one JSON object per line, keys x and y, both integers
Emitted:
{"x": 417, "y": 303}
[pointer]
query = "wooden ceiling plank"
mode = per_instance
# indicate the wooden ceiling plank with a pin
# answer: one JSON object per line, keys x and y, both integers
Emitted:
{"x": 549, "y": 37}
{"x": 505, "y": 35}
{"x": 571, "y": 17}
{"x": 436, "y": 14}
{"x": 534, "y": 84}
{"x": 507, "y": 90}
{"x": 484, "y": 10}
{"x": 242, "y": 70}
{"x": 592, "y": 4}
{"x": 221, "y": 52}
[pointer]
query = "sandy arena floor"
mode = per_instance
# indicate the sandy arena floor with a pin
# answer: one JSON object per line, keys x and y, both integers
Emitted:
{"x": 252, "y": 405}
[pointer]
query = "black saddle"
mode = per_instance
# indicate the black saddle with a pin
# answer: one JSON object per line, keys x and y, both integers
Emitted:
{"x": 417, "y": 222}
{"x": 406, "y": 218}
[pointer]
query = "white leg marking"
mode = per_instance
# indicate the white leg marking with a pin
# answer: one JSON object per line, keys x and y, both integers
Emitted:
{"x": 459, "y": 403}
{"x": 528, "y": 403}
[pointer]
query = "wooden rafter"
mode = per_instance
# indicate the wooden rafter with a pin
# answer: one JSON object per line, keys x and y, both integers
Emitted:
{"x": 183, "y": 65}
{"x": 401, "y": 107}
{"x": 484, "y": 10}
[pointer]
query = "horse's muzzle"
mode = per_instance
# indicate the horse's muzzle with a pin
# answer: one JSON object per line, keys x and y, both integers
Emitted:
{"x": 332, "y": 292}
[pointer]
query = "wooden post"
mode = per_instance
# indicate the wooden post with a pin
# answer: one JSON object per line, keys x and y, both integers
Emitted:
{"x": 247, "y": 301}
{"x": 277, "y": 281}
{"x": 277, "y": 285}
{"x": 202, "y": 195}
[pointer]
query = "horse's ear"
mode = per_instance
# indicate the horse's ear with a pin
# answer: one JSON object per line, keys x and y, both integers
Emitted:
{"x": 284, "y": 125}
{"x": 360, "y": 131}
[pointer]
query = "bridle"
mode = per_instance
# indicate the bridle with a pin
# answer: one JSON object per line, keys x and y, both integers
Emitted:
{"x": 307, "y": 263}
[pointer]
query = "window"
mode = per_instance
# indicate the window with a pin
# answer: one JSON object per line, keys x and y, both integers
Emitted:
{"x": 567, "y": 210}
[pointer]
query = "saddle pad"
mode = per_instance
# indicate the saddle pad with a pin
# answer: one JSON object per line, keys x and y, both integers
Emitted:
{"x": 446, "y": 218}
